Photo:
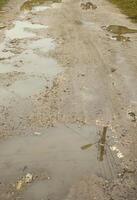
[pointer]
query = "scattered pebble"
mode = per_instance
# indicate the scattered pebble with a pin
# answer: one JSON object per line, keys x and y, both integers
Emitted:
{"x": 24, "y": 180}
{"x": 37, "y": 133}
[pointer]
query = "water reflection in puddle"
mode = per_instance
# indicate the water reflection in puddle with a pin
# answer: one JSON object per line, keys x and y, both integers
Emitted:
{"x": 102, "y": 144}
{"x": 18, "y": 32}
{"x": 58, "y": 149}
{"x": 17, "y": 55}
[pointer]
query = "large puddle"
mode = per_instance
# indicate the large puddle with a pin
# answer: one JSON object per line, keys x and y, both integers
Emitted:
{"x": 24, "y": 51}
{"x": 58, "y": 152}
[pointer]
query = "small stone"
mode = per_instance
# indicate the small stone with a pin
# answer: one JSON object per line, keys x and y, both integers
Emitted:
{"x": 37, "y": 133}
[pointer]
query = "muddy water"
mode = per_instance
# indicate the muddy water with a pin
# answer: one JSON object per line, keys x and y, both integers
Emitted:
{"x": 120, "y": 29}
{"x": 58, "y": 152}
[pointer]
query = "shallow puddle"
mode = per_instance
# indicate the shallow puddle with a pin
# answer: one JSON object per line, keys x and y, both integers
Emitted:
{"x": 5, "y": 96}
{"x": 116, "y": 29}
{"x": 28, "y": 87}
{"x": 19, "y": 32}
{"x": 58, "y": 151}
{"x": 6, "y": 68}
{"x": 32, "y": 64}
{"x": 44, "y": 44}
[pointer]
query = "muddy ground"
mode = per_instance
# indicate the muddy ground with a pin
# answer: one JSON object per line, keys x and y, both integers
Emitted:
{"x": 68, "y": 102}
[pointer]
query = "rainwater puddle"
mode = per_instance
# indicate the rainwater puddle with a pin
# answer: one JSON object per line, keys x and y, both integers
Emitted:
{"x": 58, "y": 151}
{"x": 6, "y": 68}
{"x": 19, "y": 32}
{"x": 44, "y": 44}
{"x": 31, "y": 63}
{"x": 102, "y": 143}
{"x": 116, "y": 29}
{"x": 5, "y": 96}
{"x": 29, "y": 87}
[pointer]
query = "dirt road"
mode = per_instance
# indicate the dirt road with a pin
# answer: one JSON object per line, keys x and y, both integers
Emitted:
{"x": 65, "y": 75}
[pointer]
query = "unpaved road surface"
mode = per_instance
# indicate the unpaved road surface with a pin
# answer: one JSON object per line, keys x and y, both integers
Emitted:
{"x": 68, "y": 103}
